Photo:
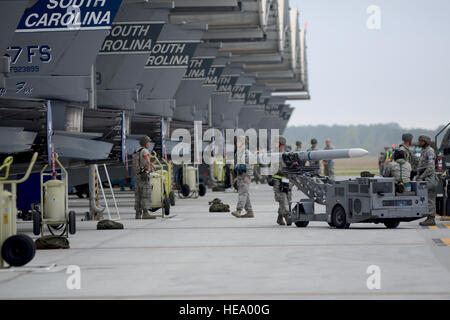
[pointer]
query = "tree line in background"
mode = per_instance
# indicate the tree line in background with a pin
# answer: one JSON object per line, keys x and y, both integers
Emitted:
{"x": 373, "y": 138}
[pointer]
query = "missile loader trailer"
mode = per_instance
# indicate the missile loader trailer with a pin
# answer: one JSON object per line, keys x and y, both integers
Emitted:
{"x": 365, "y": 199}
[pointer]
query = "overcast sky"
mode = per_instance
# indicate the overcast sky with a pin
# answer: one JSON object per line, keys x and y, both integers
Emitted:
{"x": 400, "y": 73}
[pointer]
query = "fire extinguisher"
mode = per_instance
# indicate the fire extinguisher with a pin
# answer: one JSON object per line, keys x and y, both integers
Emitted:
{"x": 439, "y": 164}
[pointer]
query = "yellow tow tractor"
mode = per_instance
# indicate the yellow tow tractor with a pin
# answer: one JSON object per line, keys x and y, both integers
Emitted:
{"x": 158, "y": 179}
{"x": 16, "y": 249}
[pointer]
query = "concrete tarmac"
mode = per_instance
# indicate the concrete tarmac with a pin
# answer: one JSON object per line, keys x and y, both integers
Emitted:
{"x": 195, "y": 254}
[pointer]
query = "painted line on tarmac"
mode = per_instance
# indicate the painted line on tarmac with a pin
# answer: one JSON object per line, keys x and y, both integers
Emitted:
{"x": 224, "y": 246}
{"x": 444, "y": 242}
{"x": 438, "y": 226}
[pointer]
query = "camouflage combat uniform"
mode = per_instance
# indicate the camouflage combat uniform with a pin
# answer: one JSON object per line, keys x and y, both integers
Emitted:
{"x": 282, "y": 197}
{"x": 328, "y": 165}
{"x": 408, "y": 156}
{"x": 314, "y": 162}
{"x": 143, "y": 188}
{"x": 243, "y": 187}
{"x": 426, "y": 172}
{"x": 381, "y": 159}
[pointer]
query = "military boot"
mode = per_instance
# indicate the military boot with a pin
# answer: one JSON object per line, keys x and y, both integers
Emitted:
{"x": 138, "y": 214}
{"x": 146, "y": 215}
{"x": 288, "y": 219}
{"x": 429, "y": 221}
{"x": 280, "y": 220}
{"x": 237, "y": 213}
{"x": 249, "y": 214}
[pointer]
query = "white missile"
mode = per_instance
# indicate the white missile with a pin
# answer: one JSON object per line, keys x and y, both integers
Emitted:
{"x": 316, "y": 155}
{"x": 333, "y": 154}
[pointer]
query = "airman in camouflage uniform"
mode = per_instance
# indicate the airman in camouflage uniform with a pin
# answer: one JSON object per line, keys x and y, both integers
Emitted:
{"x": 143, "y": 188}
{"x": 426, "y": 172}
{"x": 410, "y": 157}
{"x": 244, "y": 170}
{"x": 314, "y": 162}
{"x": 400, "y": 169}
{"x": 407, "y": 141}
{"x": 328, "y": 165}
{"x": 282, "y": 190}
{"x": 382, "y": 160}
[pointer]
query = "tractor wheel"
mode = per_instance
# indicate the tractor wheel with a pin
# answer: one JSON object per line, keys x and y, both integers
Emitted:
{"x": 339, "y": 218}
{"x": 201, "y": 189}
{"x": 185, "y": 190}
{"x": 18, "y": 250}
{"x": 391, "y": 224}
{"x": 166, "y": 206}
{"x": 302, "y": 224}
{"x": 172, "y": 198}
{"x": 36, "y": 223}
{"x": 72, "y": 222}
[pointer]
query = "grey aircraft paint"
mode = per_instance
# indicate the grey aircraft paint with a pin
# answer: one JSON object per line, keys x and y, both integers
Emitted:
{"x": 125, "y": 51}
{"x": 166, "y": 67}
{"x": 54, "y": 47}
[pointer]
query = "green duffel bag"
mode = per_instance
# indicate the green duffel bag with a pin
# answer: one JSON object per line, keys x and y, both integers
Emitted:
{"x": 52, "y": 242}
{"x": 109, "y": 225}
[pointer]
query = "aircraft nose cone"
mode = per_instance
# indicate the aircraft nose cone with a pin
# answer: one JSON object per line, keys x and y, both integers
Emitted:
{"x": 357, "y": 153}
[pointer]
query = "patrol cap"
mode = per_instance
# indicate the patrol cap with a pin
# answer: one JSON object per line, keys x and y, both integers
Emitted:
{"x": 407, "y": 137}
{"x": 425, "y": 139}
{"x": 313, "y": 141}
{"x": 144, "y": 140}
{"x": 298, "y": 143}
{"x": 282, "y": 140}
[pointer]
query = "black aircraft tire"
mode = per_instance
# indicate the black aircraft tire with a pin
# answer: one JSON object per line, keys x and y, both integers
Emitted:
{"x": 18, "y": 250}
